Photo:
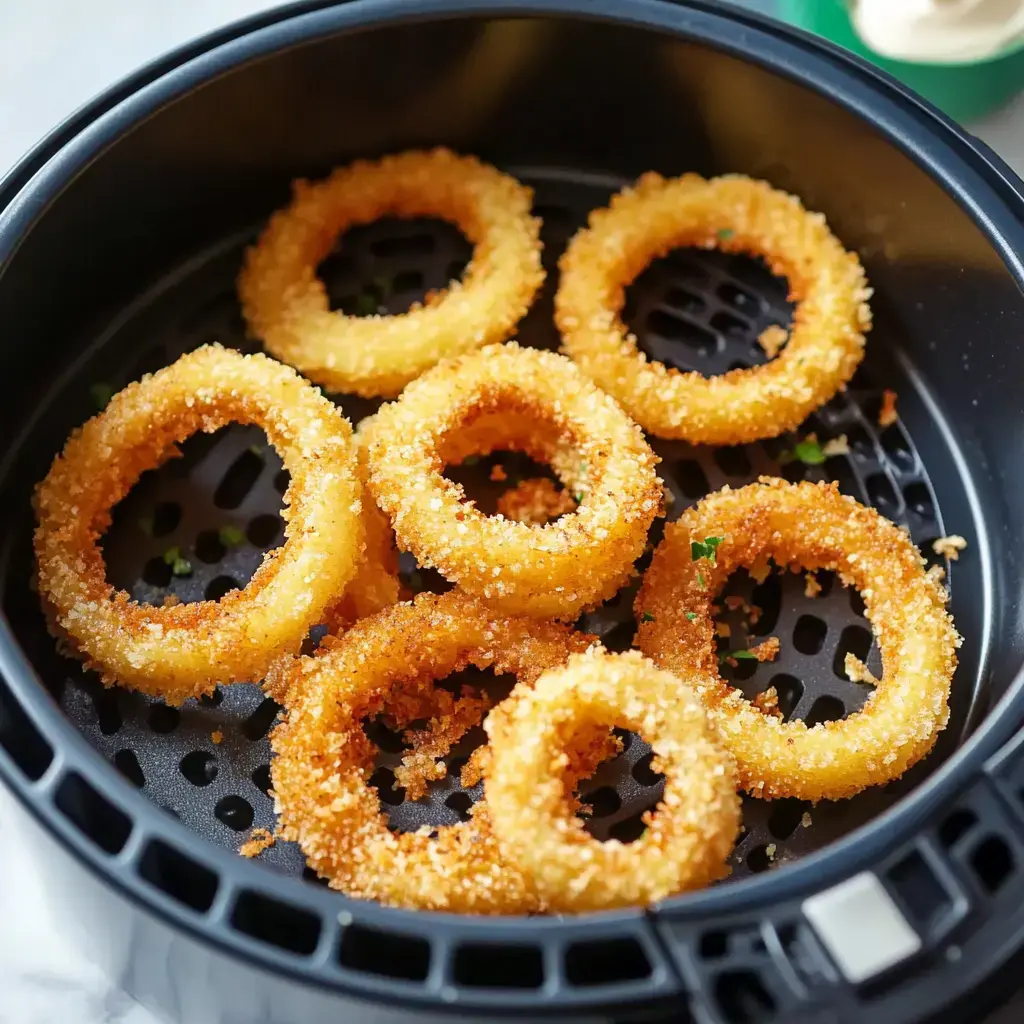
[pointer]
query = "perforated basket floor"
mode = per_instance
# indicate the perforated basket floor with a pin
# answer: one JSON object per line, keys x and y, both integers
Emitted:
{"x": 208, "y": 762}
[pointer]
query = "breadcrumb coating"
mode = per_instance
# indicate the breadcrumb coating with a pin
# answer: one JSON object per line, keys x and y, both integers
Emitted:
{"x": 286, "y": 304}
{"x": 535, "y": 501}
{"x": 323, "y": 758}
{"x": 507, "y": 396}
{"x": 732, "y": 213}
{"x": 809, "y": 526}
{"x": 689, "y": 834}
{"x": 185, "y": 650}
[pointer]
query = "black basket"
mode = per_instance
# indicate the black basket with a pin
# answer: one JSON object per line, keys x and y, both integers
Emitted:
{"x": 120, "y": 239}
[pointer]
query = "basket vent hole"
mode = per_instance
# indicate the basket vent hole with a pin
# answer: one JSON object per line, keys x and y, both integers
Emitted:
{"x": 93, "y": 814}
{"x": 282, "y": 478}
{"x": 602, "y": 802}
{"x": 922, "y": 894}
{"x": 128, "y": 765}
{"x": 309, "y": 875}
{"x": 408, "y": 281}
{"x": 855, "y": 640}
{"x": 859, "y": 442}
{"x": 789, "y": 690}
{"x": 786, "y": 816}
{"x": 809, "y": 634}
{"x": 624, "y": 736}
{"x": 234, "y": 811}
{"x": 740, "y": 299}
{"x": 415, "y": 246}
{"x": 767, "y": 598}
{"x": 504, "y": 966}
{"x": 166, "y": 518}
{"x": 733, "y": 461}
{"x": 857, "y": 605}
{"x": 606, "y": 962}
{"x": 178, "y": 876}
{"x": 219, "y": 586}
{"x": 209, "y": 547}
{"x": 684, "y": 301}
{"x": 258, "y": 724}
{"x": 743, "y": 998}
{"x": 882, "y": 495}
{"x": 163, "y": 719}
{"x": 919, "y": 500}
{"x": 199, "y": 767}
{"x": 993, "y": 862}
{"x": 956, "y": 826}
{"x": 239, "y": 480}
{"x": 212, "y": 699}
{"x": 383, "y": 780}
{"x": 264, "y": 530}
{"x": 261, "y": 779}
{"x": 666, "y": 325}
{"x": 714, "y": 945}
{"x": 897, "y": 446}
{"x": 387, "y": 740}
{"x": 455, "y": 270}
{"x": 278, "y": 924}
{"x": 630, "y": 829}
{"x": 460, "y": 803}
{"x": 732, "y": 328}
{"x": 156, "y": 572}
{"x": 619, "y": 638}
{"x": 825, "y": 709}
{"x": 108, "y": 711}
{"x": 690, "y": 477}
{"x": 759, "y": 860}
{"x": 645, "y": 774}
{"x": 389, "y": 954}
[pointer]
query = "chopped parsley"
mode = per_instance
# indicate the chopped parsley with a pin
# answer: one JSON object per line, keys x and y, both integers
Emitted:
{"x": 724, "y": 234}
{"x": 646, "y": 617}
{"x": 171, "y": 555}
{"x": 700, "y": 579}
{"x": 705, "y": 549}
{"x": 808, "y": 451}
{"x": 691, "y": 615}
{"x": 101, "y": 394}
{"x": 230, "y": 536}
{"x": 179, "y": 566}
{"x": 578, "y": 497}
{"x": 726, "y": 656}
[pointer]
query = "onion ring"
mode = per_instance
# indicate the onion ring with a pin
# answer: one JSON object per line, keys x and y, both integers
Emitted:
{"x": 734, "y": 214}
{"x": 810, "y": 526}
{"x": 541, "y": 403}
{"x": 286, "y": 304}
{"x": 535, "y": 501}
{"x": 694, "y": 827}
{"x": 184, "y": 650}
{"x": 323, "y": 757}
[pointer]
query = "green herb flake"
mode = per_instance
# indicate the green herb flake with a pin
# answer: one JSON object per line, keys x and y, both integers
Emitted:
{"x": 808, "y": 451}
{"x": 578, "y": 496}
{"x": 691, "y": 615}
{"x": 705, "y": 548}
{"x": 745, "y": 655}
{"x": 146, "y": 525}
{"x": 703, "y": 582}
{"x": 181, "y": 567}
{"x": 171, "y": 555}
{"x": 230, "y": 536}
{"x": 725, "y": 234}
{"x": 646, "y": 617}
{"x": 101, "y": 394}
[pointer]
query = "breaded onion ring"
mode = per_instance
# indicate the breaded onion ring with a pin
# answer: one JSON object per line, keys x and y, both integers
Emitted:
{"x": 184, "y": 650}
{"x": 735, "y": 214}
{"x": 286, "y": 304}
{"x": 323, "y": 758}
{"x": 809, "y": 526}
{"x": 536, "y": 501}
{"x": 688, "y": 836}
{"x": 539, "y": 402}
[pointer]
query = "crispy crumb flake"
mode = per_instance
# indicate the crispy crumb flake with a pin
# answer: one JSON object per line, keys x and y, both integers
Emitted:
{"x": 949, "y": 547}
{"x": 767, "y": 650}
{"x": 812, "y": 588}
{"x": 836, "y": 446}
{"x": 216, "y": 736}
{"x": 772, "y": 339}
{"x": 260, "y": 839}
{"x": 767, "y": 702}
{"x": 857, "y": 671}
{"x": 887, "y": 415}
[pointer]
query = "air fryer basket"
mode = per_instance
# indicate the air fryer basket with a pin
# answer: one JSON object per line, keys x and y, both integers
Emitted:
{"x": 119, "y": 243}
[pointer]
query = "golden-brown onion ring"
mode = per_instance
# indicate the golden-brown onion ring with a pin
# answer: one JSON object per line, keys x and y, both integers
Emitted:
{"x": 286, "y": 304}
{"x": 185, "y": 650}
{"x": 735, "y": 214}
{"x": 811, "y": 526}
{"x": 689, "y": 835}
{"x": 538, "y": 401}
{"x": 535, "y": 501}
{"x": 323, "y": 757}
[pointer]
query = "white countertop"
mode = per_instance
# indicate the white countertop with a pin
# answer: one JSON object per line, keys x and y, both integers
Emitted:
{"x": 54, "y": 56}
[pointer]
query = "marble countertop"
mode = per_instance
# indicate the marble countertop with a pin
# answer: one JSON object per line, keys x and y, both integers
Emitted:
{"x": 55, "y": 55}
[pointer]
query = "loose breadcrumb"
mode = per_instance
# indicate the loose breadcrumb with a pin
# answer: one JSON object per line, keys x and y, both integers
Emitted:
{"x": 857, "y": 671}
{"x": 949, "y": 547}
{"x": 812, "y": 588}
{"x": 768, "y": 650}
{"x": 887, "y": 415}
{"x": 260, "y": 839}
{"x": 771, "y": 339}
{"x": 498, "y": 474}
{"x": 767, "y": 702}
{"x": 836, "y": 446}
{"x": 805, "y": 819}
{"x": 723, "y": 629}
{"x": 216, "y": 736}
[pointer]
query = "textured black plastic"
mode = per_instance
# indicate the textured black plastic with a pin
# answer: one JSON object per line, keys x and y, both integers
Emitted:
{"x": 218, "y": 509}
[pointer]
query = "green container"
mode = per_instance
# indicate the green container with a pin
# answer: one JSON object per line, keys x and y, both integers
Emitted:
{"x": 965, "y": 91}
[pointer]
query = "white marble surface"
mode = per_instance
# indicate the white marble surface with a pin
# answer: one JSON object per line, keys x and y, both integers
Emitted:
{"x": 55, "y": 55}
